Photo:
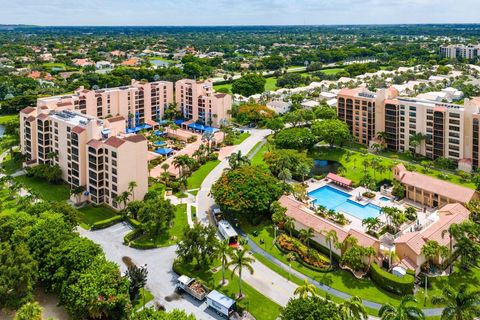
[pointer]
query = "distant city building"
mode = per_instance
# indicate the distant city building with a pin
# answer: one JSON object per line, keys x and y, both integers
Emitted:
{"x": 460, "y": 51}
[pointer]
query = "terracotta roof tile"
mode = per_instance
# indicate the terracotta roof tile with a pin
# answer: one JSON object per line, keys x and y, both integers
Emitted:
{"x": 453, "y": 213}
{"x": 94, "y": 143}
{"x": 135, "y": 138}
{"x": 78, "y": 129}
{"x": 114, "y": 142}
{"x": 42, "y": 116}
{"x": 443, "y": 188}
{"x": 116, "y": 119}
{"x": 27, "y": 110}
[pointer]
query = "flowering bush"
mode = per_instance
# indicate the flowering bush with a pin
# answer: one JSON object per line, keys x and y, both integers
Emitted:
{"x": 308, "y": 255}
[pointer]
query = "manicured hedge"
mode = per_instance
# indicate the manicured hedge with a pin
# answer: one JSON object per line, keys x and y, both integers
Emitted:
{"x": 106, "y": 223}
{"x": 391, "y": 282}
{"x": 137, "y": 245}
{"x": 132, "y": 235}
{"x": 133, "y": 222}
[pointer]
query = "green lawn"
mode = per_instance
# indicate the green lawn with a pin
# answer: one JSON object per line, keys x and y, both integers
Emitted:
{"x": 193, "y": 211}
{"x": 7, "y": 117}
{"x": 45, "y": 190}
{"x": 271, "y": 84}
{"x": 11, "y": 165}
{"x": 51, "y": 65}
{"x": 145, "y": 296}
{"x": 352, "y": 161}
{"x": 332, "y": 71}
{"x": 90, "y": 214}
{"x": 257, "y": 304}
{"x": 241, "y": 137}
{"x": 258, "y": 157}
{"x": 225, "y": 85}
{"x": 196, "y": 179}
{"x": 161, "y": 59}
{"x": 175, "y": 232}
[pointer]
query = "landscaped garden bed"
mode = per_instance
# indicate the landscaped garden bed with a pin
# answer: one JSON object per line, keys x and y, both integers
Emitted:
{"x": 310, "y": 257}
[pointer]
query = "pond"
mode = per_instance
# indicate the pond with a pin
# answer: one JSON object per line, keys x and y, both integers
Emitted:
{"x": 324, "y": 166}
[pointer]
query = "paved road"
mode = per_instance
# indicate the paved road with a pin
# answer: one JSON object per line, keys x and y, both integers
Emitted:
{"x": 161, "y": 278}
{"x": 204, "y": 201}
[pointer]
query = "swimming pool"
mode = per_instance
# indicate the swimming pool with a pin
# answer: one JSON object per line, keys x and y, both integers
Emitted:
{"x": 385, "y": 199}
{"x": 337, "y": 200}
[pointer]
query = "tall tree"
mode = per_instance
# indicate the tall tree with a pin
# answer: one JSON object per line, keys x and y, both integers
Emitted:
{"x": 460, "y": 304}
{"x": 353, "y": 309}
{"x": 239, "y": 261}
{"x": 404, "y": 311}
{"x": 306, "y": 290}
{"x": 137, "y": 277}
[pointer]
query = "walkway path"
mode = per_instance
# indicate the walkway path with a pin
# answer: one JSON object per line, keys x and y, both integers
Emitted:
{"x": 204, "y": 200}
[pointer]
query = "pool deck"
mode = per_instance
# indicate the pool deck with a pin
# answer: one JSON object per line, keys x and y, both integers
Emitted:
{"x": 356, "y": 196}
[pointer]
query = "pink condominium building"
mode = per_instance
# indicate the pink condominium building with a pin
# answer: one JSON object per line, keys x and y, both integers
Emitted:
{"x": 197, "y": 101}
{"x": 90, "y": 134}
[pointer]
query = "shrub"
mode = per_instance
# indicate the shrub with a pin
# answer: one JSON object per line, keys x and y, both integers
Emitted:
{"x": 106, "y": 223}
{"x": 369, "y": 195}
{"x": 132, "y": 235}
{"x": 390, "y": 282}
{"x": 308, "y": 256}
{"x": 133, "y": 222}
{"x": 141, "y": 245}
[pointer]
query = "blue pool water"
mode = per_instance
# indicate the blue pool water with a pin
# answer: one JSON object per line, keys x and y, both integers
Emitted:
{"x": 159, "y": 143}
{"x": 337, "y": 200}
{"x": 384, "y": 199}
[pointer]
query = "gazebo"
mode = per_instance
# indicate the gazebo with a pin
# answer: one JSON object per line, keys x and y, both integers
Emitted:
{"x": 341, "y": 181}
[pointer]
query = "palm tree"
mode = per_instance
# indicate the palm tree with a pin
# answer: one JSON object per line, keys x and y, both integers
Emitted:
{"x": 304, "y": 170}
{"x": 461, "y": 304}
{"x": 223, "y": 252}
{"x": 289, "y": 225}
{"x": 415, "y": 141}
{"x": 240, "y": 261}
{"x": 305, "y": 290}
{"x": 432, "y": 251}
{"x": 306, "y": 234}
{"x": 370, "y": 223}
{"x": 285, "y": 174}
{"x": 369, "y": 252}
{"x": 123, "y": 198}
{"x": 236, "y": 160}
{"x": 181, "y": 162}
{"x": 290, "y": 257}
{"x": 77, "y": 191}
{"x": 331, "y": 238}
{"x": 405, "y": 311}
{"x": 131, "y": 188}
{"x": 353, "y": 309}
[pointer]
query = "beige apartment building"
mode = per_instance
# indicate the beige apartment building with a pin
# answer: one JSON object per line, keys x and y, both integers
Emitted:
{"x": 197, "y": 101}
{"x": 449, "y": 130}
{"x": 140, "y": 103}
{"x": 91, "y": 152}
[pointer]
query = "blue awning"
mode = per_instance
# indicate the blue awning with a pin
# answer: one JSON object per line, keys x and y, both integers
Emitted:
{"x": 164, "y": 151}
{"x": 201, "y": 127}
{"x": 179, "y": 122}
{"x": 139, "y": 128}
{"x": 158, "y": 133}
{"x": 162, "y": 121}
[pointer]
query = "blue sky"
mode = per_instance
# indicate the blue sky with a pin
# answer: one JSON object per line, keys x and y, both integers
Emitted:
{"x": 236, "y": 12}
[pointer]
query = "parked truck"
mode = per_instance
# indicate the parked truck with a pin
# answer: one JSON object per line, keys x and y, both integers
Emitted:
{"x": 193, "y": 287}
{"x": 222, "y": 304}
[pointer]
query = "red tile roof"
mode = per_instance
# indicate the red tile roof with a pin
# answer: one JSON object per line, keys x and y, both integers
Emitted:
{"x": 31, "y": 118}
{"x": 42, "y": 116}
{"x": 427, "y": 183}
{"x": 453, "y": 213}
{"x": 94, "y": 143}
{"x": 78, "y": 129}
{"x": 114, "y": 142}
{"x": 27, "y": 110}
{"x": 116, "y": 119}
{"x": 339, "y": 179}
{"x": 135, "y": 138}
